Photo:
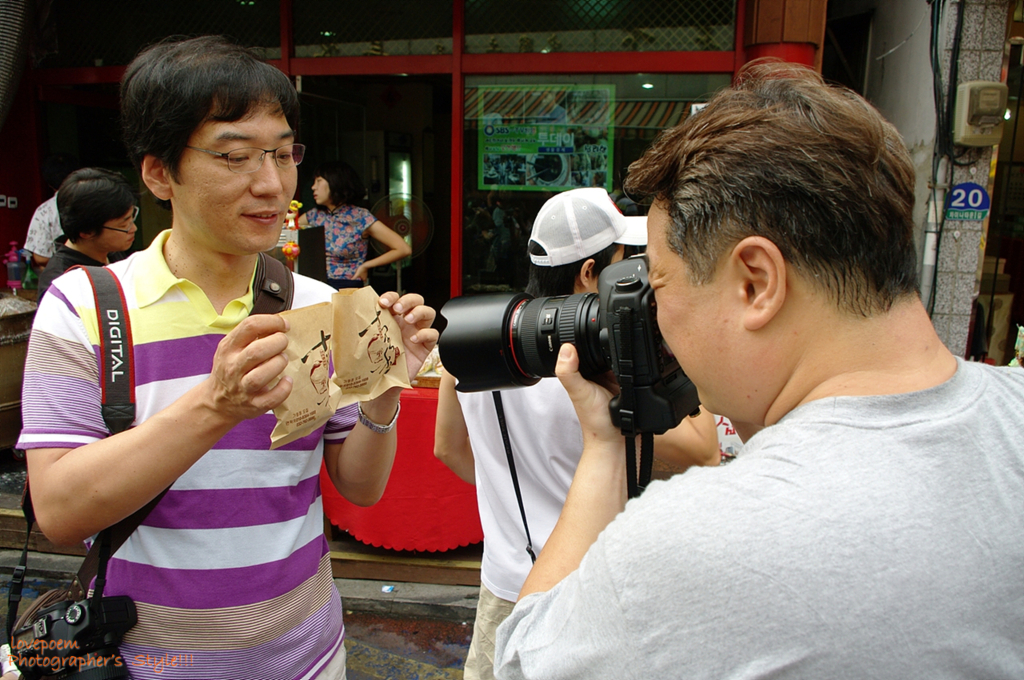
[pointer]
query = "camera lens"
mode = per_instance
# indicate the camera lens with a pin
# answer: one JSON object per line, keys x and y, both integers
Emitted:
{"x": 540, "y": 327}
{"x": 512, "y": 340}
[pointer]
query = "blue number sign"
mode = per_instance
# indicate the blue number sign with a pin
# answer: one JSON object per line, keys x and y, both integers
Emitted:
{"x": 967, "y": 201}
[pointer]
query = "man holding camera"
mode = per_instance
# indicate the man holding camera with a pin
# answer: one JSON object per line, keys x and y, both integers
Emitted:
{"x": 872, "y": 528}
{"x": 230, "y": 569}
{"x": 575, "y": 235}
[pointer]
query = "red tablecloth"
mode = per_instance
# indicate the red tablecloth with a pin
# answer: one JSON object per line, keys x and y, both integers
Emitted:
{"x": 425, "y": 506}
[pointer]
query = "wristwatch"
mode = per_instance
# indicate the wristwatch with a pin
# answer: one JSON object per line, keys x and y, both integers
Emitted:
{"x": 377, "y": 427}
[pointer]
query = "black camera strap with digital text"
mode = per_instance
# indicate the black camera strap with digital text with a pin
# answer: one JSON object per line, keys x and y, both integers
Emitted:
{"x": 273, "y": 289}
{"x": 117, "y": 384}
{"x": 512, "y": 469}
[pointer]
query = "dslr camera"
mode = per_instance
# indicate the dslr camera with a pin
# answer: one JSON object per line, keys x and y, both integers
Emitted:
{"x": 505, "y": 340}
{"x": 75, "y": 640}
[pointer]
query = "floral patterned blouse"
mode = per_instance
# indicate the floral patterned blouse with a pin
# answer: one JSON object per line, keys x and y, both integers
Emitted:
{"x": 344, "y": 237}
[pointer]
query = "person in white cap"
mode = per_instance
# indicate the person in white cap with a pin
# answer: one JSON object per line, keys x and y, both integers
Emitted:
{"x": 575, "y": 235}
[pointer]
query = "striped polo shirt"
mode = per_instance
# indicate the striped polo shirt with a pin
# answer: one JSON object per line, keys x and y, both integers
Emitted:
{"x": 230, "y": 572}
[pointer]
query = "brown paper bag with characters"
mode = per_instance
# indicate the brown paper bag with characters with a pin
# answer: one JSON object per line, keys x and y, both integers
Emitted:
{"x": 314, "y": 397}
{"x": 369, "y": 355}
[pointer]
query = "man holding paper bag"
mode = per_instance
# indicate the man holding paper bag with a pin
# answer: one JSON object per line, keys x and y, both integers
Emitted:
{"x": 231, "y": 566}
{"x": 369, "y": 362}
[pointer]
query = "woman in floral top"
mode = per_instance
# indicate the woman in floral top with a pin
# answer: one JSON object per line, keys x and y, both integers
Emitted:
{"x": 347, "y": 227}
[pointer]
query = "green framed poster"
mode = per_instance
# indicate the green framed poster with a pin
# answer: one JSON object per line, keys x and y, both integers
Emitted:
{"x": 545, "y": 137}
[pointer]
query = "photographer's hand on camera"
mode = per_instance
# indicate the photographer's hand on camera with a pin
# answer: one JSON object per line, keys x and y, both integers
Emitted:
{"x": 590, "y": 399}
{"x": 598, "y": 491}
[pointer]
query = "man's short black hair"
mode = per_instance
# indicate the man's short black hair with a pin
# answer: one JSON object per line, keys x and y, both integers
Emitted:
{"x": 561, "y": 280}
{"x": 171, "y": 88}
{"x": 90, "y": 197}
{"x": 342, "y": 178}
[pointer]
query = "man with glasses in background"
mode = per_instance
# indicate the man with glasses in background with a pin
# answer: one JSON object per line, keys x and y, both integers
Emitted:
{"x": 230, "y": 570}
{"x": 97, "y": 210}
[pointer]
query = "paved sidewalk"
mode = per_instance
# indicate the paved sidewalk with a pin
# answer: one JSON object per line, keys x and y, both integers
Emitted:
{"x": 394, "y": 648}
{"x": 393, "y": 630}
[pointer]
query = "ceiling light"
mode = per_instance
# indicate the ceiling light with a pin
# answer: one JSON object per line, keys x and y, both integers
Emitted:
{"x": 648, "y": 86}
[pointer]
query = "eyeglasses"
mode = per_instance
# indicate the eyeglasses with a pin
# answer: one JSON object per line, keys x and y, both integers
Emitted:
{"x": 135, "y": 214}
{"x": 250, "y": 159}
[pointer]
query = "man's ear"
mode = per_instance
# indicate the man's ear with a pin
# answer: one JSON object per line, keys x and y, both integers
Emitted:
{"x": 759, "y": 278}
{"x": 157, "y": 177}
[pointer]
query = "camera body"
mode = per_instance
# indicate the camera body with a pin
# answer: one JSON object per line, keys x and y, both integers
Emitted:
{"x": 76, "y": 640}
{"x": 498, "y": 341}
{"x": 662, "y": 395}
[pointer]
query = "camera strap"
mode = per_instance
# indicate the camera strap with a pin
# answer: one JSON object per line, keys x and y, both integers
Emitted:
{"x": 635, "y": 482}
{"x": 117, "y": 389}
{"x": 512, "y": 469}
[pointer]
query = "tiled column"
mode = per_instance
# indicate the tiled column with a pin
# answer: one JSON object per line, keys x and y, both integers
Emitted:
{"x": 960, "y": 249}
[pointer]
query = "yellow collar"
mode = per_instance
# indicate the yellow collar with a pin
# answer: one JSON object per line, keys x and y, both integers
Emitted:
{"x": 158, "y": 280}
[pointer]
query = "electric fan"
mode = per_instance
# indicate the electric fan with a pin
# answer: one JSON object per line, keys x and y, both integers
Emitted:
{"x": 410, "y": 218}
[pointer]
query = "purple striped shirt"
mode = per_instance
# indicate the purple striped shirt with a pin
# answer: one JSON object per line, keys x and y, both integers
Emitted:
{"x": 230, "y": 572}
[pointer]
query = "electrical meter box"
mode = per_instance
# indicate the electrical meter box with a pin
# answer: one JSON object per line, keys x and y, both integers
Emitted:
{"x": 978, "y": 118}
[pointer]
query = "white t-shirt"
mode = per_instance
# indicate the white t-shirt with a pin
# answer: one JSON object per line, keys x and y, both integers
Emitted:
{"x": 44, "y": 228}
{"x": 858, "y": 537}
{"x": 546, "y": 445}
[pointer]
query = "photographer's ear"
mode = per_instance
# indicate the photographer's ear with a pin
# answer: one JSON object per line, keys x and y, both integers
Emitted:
{"x": 586, "y": 280}
{"x": 758, "y": 277}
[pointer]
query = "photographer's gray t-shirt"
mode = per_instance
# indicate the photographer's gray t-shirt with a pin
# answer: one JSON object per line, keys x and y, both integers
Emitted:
{"x": 859, "y": 537}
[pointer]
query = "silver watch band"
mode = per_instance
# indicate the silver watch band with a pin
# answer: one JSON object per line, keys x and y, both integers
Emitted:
{"x": 377, "y": 427}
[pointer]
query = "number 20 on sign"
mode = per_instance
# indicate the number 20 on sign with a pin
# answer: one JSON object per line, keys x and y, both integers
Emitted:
{"x": 967, "y": 201}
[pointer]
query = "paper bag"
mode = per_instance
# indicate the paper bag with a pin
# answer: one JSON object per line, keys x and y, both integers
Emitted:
{"x": 314, "y": 398}
{"x": 369, "y": 355}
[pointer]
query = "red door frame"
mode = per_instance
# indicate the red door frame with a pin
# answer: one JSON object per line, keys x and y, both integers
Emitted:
{"x": 458, "y": 65}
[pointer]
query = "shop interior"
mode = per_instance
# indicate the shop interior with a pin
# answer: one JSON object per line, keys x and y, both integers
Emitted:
{"x": 1000, "y": 305}
{"x": 396, "y": 132}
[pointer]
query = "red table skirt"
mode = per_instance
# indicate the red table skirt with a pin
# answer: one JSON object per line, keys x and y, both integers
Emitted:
{"x": 425, "y": 506}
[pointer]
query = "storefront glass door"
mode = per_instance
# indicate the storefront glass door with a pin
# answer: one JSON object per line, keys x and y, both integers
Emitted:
{"x": 529, "y": 137}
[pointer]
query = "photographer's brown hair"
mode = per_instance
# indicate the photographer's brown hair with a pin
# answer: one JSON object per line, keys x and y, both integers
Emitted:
{"x": 813, "y": 168}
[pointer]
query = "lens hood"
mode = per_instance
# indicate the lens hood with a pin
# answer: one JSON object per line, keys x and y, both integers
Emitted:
{"x": 475, "y": 345}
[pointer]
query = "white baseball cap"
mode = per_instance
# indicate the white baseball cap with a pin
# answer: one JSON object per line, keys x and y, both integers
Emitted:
{"x": 636, "y": 231}
{"x": 579, "y": 223}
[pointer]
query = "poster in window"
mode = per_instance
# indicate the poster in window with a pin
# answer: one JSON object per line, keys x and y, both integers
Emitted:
{"x": 545, "y": 137}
